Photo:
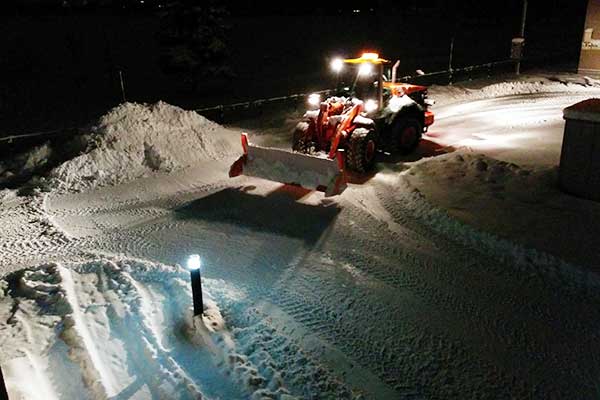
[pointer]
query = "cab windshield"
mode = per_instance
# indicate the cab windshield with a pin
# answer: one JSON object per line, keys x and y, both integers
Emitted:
{"x": 358, "y": 80}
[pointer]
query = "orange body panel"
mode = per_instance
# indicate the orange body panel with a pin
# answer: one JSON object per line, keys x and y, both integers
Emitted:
{"x": 400, "y": 89}
{"x": 429, "y": 118}
{"x": 342, "y": 128}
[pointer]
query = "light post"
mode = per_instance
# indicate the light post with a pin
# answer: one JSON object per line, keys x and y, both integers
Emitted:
{"x": 450, "y": 59}
{"x": 521, "y": 43}
{"x": 194, "y": 264}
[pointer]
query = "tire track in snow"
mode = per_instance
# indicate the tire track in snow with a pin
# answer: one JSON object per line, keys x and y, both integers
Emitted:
{"x": 440, "y": 279}
{"x": 319, "y": 314}
{"x": 29, "y": 233}
{"x": 506, "y": 311}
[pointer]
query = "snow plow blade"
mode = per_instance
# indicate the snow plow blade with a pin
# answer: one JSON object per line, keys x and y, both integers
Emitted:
{"x": 308, "y": 171}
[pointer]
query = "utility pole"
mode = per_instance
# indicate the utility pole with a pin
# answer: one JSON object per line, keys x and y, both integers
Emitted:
{"x": 122, "y": 86}
{"x": 450, "y": 60}
{"x": 523, "y": 18}
{"x": 522, "y": 35}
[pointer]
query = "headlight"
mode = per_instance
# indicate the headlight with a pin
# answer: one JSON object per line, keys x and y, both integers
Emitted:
{"x": 337, "y": 64}
{"x": 370, "y": 106}
{"x": 314, "y": 99}
{"x": 365, "y": 69}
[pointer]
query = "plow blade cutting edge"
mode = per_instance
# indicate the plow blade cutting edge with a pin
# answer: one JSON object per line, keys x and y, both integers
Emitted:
{"x": 288, "y": 167}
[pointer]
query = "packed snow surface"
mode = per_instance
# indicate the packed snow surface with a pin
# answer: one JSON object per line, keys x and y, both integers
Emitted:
{"x": 421, "y": 282}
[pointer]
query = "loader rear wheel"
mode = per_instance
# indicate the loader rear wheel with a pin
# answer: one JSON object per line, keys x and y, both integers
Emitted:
{"x": 406, "y": 135}
{"x": 300, "y": 140}
{"x": 360, "y": 154}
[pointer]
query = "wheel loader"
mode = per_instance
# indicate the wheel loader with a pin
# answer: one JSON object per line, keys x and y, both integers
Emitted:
{"x": 369, "y": 112}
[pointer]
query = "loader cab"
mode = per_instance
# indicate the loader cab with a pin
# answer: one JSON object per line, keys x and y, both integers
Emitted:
{"x": 361, "y": 77}
{"x": 352, "y": 84}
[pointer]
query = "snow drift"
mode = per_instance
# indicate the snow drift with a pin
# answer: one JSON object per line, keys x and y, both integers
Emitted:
{"x": 512, "y": 201}
{"x": 525, "y": 84}
{"x": 120, "y": 328}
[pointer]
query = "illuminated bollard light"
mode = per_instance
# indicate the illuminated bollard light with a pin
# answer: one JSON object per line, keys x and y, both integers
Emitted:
{"x": 194, "y": 265}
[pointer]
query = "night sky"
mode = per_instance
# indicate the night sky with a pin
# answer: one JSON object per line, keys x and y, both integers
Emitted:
{"x": 466, "y": 8}
{"x": 68, "y": 53}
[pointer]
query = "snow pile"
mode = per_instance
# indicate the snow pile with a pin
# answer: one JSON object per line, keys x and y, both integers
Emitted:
{"x": 90, "y": 331}
{"x": 525, "y": 85}
{"x": 6, "y": 194}
{"x": 524, "y": 204}
{"x": 114, "y": 327}
{"x": 135, "y": 140}
{"x": 569, "y": 277}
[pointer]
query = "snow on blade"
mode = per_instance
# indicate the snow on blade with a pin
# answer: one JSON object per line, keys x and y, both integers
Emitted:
{"x": 284, "y": 166}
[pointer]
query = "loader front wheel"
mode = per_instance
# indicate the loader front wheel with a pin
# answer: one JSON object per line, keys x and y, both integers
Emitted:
{"x": 300, "y": 140}
{"x": 360, "y": 154}
{"x": 406, "y": 135}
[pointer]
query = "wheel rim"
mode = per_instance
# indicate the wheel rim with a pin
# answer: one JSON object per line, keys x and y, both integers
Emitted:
{"x": 370, "y": 151}
{"x": 408, "y": 136}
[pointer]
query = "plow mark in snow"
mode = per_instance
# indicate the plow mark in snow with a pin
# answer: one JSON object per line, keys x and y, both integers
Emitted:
{"x": 29, "y": 233}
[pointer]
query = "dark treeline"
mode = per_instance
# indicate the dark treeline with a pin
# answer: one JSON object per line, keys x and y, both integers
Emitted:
{"x": 486, "y": 12}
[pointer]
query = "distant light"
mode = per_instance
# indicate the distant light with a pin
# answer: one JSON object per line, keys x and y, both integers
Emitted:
{"x": 370, "y": 105}
{"x": 365, "y": 69}
{"x": 337, "y": 64}
{"x": 194, "y": 262}
{"x": 356, "y": 11}
{"x": 314, "y": 99}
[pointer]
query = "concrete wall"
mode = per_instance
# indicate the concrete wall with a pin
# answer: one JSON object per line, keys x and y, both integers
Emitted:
{"x": 589, "y": 59}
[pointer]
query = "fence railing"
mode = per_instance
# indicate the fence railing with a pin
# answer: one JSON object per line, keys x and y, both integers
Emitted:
{"x": 248, "y": 108}
{"x": 238, "y": 111}
{"x": 468, "y": 72}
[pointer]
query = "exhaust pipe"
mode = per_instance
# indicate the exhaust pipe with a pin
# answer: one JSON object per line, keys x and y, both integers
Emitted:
{"x": 394, "y": 69}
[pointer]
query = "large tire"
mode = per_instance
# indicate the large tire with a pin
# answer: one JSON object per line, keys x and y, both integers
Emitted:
{"x": 406, "y": 134}
{"x": 300, "y": 141}
{"x": 360, "y": 152}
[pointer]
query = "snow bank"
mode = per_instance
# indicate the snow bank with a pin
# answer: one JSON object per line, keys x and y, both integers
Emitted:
{"x": 115, "y": 327}
{"x": 135, "y": 140}
{"x": 6, "y": 194}
{"x": 90, "y": 330}
{"x": 526, "y": 84}
{"x": 523, "y": 204}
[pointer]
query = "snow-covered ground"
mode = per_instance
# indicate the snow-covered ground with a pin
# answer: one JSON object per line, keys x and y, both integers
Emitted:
{"x": 436, "y": 278}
